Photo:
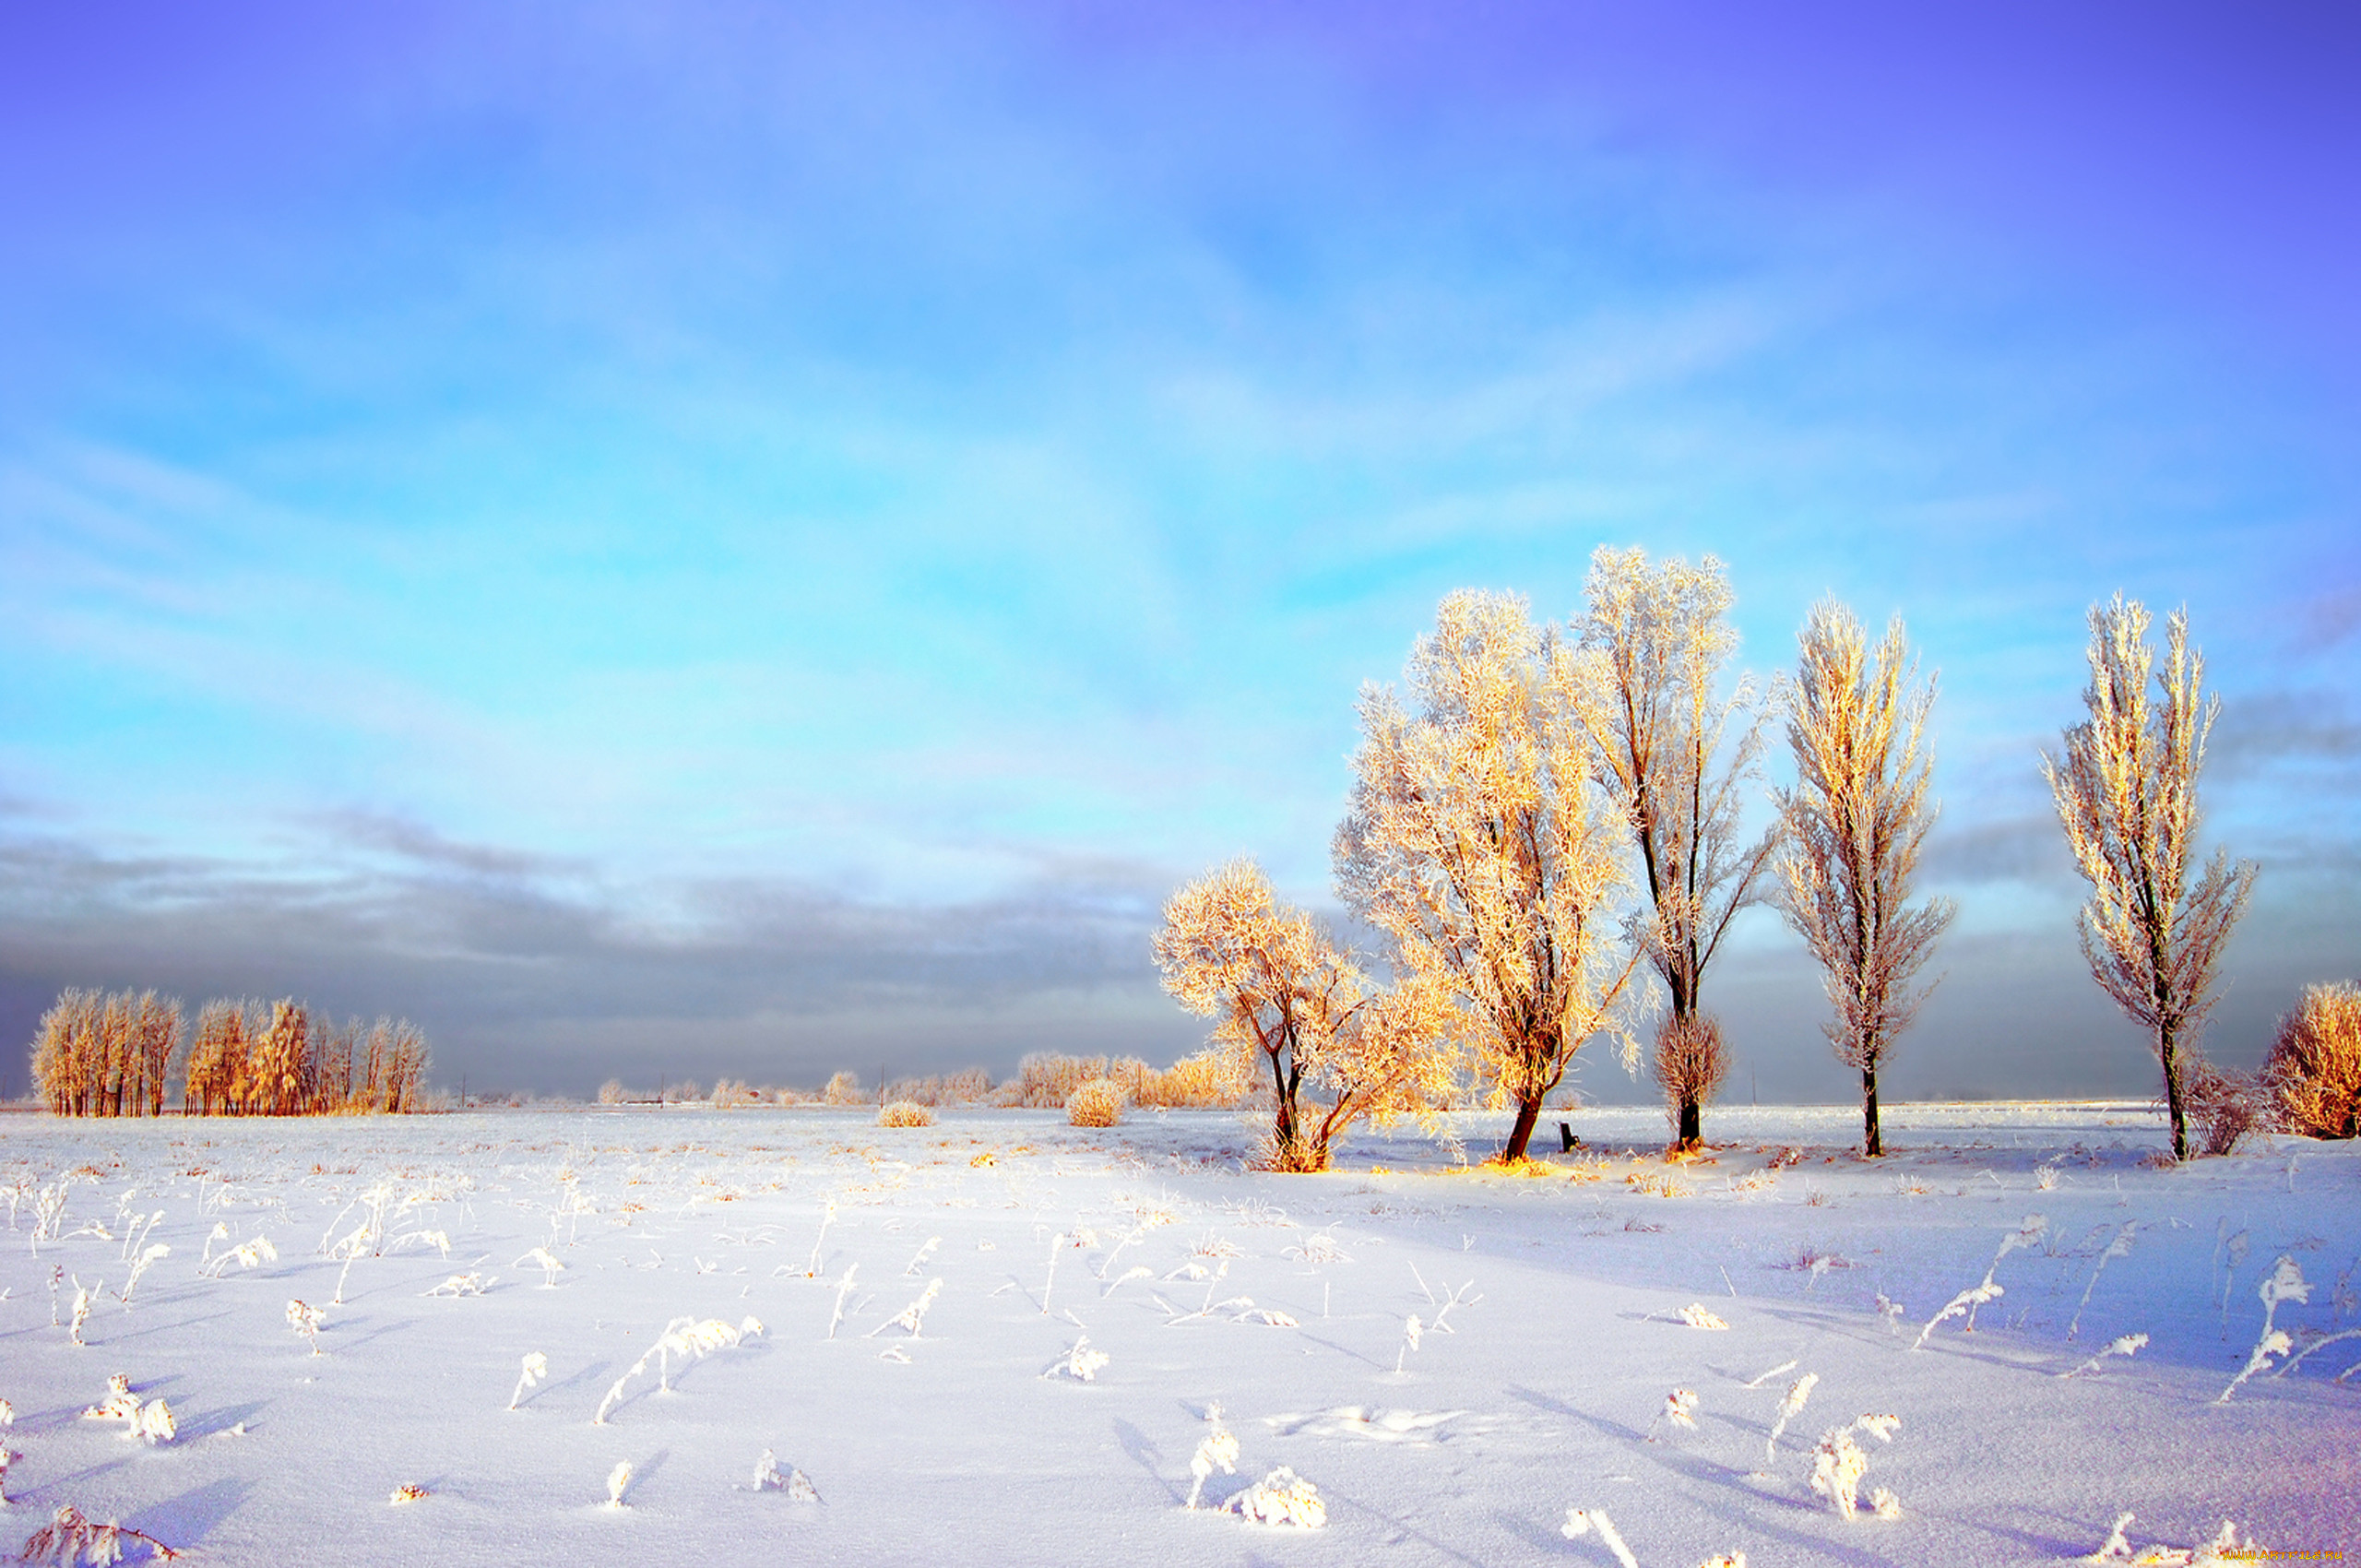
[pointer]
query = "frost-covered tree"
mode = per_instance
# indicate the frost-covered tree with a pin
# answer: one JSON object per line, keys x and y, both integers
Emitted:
{"x": 1678, "y": 754}
{"x": 1288, "y": 1006}
{"x": 1853, "y": 827}
{"x": 2126, "y": 788}
{"x": 1479, "y": 842}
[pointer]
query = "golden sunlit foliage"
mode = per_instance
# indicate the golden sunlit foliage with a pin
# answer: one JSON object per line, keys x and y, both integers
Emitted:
{"x": 2126, "y": 790}
{"x": 1677, "y": 756}
{"x": 2314, "y": 1072}
{"x": 1479, "y": 842}
{"x": 1855, "y": 823}
{"x": 110, "y": 1055}
{"x": 1291, "y": 1008}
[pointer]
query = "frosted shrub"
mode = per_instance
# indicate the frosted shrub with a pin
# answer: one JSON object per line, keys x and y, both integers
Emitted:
{"x": 70, "y": 1539}
{"x": 1679, "y": 1409}
{"x": 2313, "y": 1073}
{"x": 905, "y": 1113}
{"x": 536, "y": 1368}
{"x": 150, "y": 1423}
{"x": 1838, "y": 1465}
{"x": 1081, "y": 1363}
{"x": 1282, "y": 1498}
{"x": 611, "y": 1092}
{"x": 1217, "y": 1450}
{"x": 1580, "y": 1522}
{"x": 1098, "y": 1103}
{"x": 844, "y": 1089}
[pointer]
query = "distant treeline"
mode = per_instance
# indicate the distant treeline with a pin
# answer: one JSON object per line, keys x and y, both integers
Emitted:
{"x": 114, "y": 1054}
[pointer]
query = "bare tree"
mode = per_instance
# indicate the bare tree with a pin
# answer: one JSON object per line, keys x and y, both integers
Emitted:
{"x": 1853, "y": 827}
{"x": 1677, "y": 756}
{"x": 2126, "y": 796}
{"x": 1289, "y": 1003}
{"x": 1479, "y": 842}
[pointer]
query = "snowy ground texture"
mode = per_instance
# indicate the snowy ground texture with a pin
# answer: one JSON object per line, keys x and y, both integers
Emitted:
{"x": 1286, "y": 1300}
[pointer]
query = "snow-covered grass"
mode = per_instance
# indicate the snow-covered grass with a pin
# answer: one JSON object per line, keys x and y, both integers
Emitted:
{"x": 1533, "y": 1387}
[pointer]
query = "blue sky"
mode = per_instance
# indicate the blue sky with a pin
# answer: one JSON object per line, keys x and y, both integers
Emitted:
{"x": 733, "y": 538}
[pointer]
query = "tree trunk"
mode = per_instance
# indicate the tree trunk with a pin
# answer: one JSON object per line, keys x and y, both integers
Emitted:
{"x": 2164, "y": 1051}
{"x": 1692, "y": 1134}
{"x": 1528, "y": 1112}
{"x": 1870, "y": 1144}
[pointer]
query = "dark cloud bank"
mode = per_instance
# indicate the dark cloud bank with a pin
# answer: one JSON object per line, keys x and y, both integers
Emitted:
{"x": 532, "y": 973}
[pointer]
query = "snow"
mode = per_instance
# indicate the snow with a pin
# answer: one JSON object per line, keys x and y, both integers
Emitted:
{"x": 1551, "y": 1306}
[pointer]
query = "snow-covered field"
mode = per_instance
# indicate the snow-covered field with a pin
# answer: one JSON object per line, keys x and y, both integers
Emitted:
{"x": 1550, "y": 1334}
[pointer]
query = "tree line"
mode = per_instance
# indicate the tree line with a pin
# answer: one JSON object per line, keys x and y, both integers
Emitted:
{"x": 110, "y": 1053}
{"x": 1545, "y": 828}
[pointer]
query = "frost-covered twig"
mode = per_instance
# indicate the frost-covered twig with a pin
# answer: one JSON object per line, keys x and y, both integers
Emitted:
{"x": 687, "y": 1338}
{"x": 85, "y": 1297}
{"x": 2285, "y": 1283}
{"x": 1799, "y": 1394}
{"x": 147, "y": 1259}
{"x": 2312, "y": 1344}
{"x": 912, "y": 1316}
{"x": 1584, "y": 1521}
{"x": 1411, "y": 1331}
{"x": 468, "y": 1284}
{"x": 844, "y": 1289}
{"x": 1973, "y": 1297}
{"x": 618, "y": 1481}
{"x": 547, "y": 1262}
{"x": 925, "y": 1253}
{"x": 2226, "y": 1547}
{"x": 2118, "y": 1248}
{"x": 245, "y": 1254}
{"x": 2124, "y": 1345}
{"x": 827, "y": 1218}
{"x": 536, "y": 1368}
{"x": 69, "y": 1538}
{"x": 1759, "y": 1379}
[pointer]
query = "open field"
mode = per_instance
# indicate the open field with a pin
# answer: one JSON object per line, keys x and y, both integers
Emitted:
{"x": 1286, "y": 1300}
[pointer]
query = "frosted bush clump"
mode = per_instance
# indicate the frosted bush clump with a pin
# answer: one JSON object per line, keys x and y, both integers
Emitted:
{"x": 1282, "y": 1498}
{"x": 1081, "y": 1363}
{"x": 70, "y": 1539}
{"x": 795, "y": 1483}
{"x": 1838, "y": 1465}
{"x": 905, "y": 1113}
{"x": 1696, "y": 1315}
{"x": 1217, "y": 1450}
{"x": 1098, "y": 1103}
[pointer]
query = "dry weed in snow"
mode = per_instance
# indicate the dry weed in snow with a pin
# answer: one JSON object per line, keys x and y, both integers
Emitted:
{"x": 1282, "y": 1498}
{"x": 1216, "y": 1449}
{"x": 547, "y": 1262}
{"x": 2118, "y": 1248}
{"x": 2285, "y": 1283}
{"x": 1792, "y": 1405}
{"x": 618, "y": 1481}
{"x": 687, "y": 1338}
{"x": 1696, "y": 1315}
{"x": 409, "y": 1494}
{"x": 69, "y": 1538}
{"x": 536, "y": 1368}
{"x": 1759, "y": 1379}
{"x": 306, "y": 1320}
{"x": 2123, "y": 1345}
{"x": 1080, "y": 1362}
{"x": 147, "y": 1259}
{"x": 1410, "y": 1334}
{"x": 795, "y": 1483}
{"x": 470, "y": 1284}
{"x": 1580, "y": 1522}
{"x": 245, "y": 1254}
{"x": 1679, "y": 1409}
{"x": 913, "y": 1316}
{"x": 85, "y": 1297}
{"x": 2226, "y": 1547}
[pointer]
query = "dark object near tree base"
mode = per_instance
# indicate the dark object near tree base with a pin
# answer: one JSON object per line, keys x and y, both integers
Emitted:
{"x": 1566, "y": 1136}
